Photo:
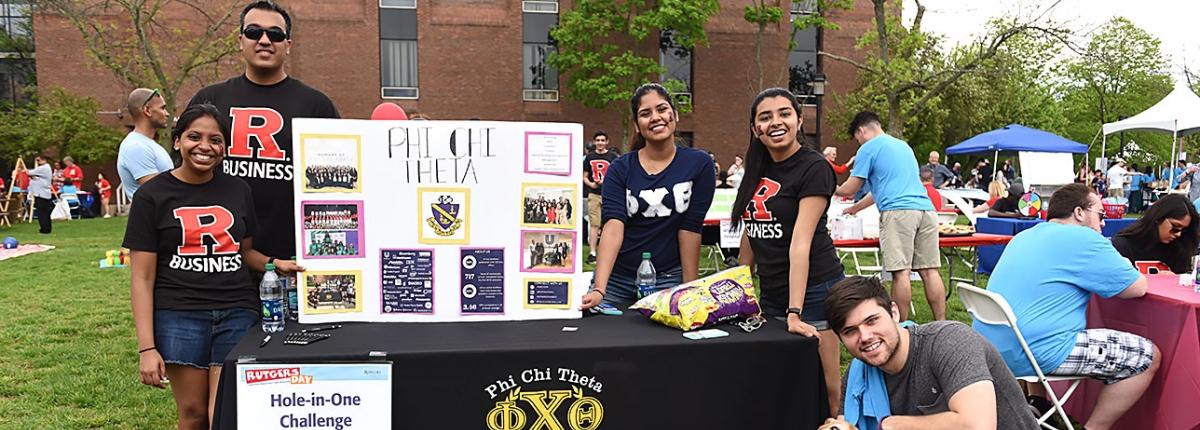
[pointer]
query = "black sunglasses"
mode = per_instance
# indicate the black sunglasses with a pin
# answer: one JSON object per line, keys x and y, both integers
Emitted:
{"x": 274, "y": 34}
{"x": 155, "y": 93}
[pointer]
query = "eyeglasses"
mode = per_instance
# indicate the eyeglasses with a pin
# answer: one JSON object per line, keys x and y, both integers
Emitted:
{"x": 254, "y": 32}
{"x": 155, "y": 93}
{"x": 1175, "y": 229}
{"x": 1099, "y": 211}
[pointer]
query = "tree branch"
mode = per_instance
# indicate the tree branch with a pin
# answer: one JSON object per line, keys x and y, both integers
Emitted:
{"x": 850, "y": 62}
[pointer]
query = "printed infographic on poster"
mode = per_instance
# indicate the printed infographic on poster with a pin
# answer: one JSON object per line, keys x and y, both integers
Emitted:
{"x": 428, "y": 221}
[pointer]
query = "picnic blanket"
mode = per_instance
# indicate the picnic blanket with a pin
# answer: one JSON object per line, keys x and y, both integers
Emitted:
{"x": 23, "y": 250}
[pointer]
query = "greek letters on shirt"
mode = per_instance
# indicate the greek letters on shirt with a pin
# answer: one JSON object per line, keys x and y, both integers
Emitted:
{"x": 651, "y": 203}
{"x": 220, "y": 254}
{"x": 760, "y": 225}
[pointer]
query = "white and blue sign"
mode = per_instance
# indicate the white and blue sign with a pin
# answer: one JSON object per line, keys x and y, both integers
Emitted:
{"x": 333, "y": 396}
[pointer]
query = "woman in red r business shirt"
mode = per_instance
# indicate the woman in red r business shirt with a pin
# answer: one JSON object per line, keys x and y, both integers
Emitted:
{"x": 189, "y": 233}
{"x": 105, "y": 190}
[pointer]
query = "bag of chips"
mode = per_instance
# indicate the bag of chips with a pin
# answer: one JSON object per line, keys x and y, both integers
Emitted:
{"x": 704, "y": 302}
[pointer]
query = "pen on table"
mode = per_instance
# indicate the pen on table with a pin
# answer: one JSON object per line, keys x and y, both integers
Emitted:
{"x": 310, "y": 330}
{"x": 265, "y": 340}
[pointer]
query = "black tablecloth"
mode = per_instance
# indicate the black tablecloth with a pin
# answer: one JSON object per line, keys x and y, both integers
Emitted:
{"x": 649, "y": 376}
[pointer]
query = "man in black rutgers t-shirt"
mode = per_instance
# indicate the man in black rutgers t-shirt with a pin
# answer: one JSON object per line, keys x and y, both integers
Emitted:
{"x": 595, "y": 165}
{"x": 261, "y": 104}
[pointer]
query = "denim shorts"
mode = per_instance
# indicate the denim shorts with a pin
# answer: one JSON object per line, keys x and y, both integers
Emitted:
{"x": 200, "y": 338}
{"x": 622, "y": 288}
{"x": 775, "y": 302}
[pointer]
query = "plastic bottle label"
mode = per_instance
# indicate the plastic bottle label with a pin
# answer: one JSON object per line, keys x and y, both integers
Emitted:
{"x": 272, "y": 310}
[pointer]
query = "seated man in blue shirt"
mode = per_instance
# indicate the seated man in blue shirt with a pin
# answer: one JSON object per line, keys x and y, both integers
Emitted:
{"x": 1048, "y": 274}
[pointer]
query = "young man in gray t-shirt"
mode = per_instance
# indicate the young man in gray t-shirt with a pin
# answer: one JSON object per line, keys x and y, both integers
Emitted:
{"x": 938, "y": 375}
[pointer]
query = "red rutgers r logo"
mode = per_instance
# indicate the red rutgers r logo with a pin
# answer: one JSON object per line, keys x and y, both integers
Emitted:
{"x": 757, "y": 210}
{"x": 244, "y": 127}
{"x": 200, "y": 221}
{"x": 599, "y": 169}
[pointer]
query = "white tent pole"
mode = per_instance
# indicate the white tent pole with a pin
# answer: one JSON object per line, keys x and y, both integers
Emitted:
{"x": 1171, "y": 162}
{"x": 996, "y": 165}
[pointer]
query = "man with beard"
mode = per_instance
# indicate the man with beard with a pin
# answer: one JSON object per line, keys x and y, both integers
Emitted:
{"x": 936, "y": 375}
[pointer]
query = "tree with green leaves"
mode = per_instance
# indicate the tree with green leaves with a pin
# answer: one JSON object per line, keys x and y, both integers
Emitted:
{"x": 1120, "y": 72}
{"x": 147, "y": 47}
{"x": 603, "y": 48}
{"x": 61, "y": 122}
{"x": 766, "y": 13}
{"x": 905, "y": 73}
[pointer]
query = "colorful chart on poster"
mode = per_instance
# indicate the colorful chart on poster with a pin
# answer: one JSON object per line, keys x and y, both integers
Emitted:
{"x": 430, "y": 221}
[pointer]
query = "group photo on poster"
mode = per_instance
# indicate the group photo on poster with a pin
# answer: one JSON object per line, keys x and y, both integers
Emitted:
{"x": 548, "y": 205}
{"x": 332, "y": 291}
{"x": 548, "y": 251}
{"x": 331, "y": 163}
{"x": 332, "y": 229}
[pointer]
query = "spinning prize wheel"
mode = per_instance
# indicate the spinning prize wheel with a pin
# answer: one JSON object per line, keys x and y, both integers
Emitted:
{"x": 1030, "y": 205}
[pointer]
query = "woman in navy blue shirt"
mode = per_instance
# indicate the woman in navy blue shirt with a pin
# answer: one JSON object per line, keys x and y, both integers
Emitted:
{"x": 654, "y": 200}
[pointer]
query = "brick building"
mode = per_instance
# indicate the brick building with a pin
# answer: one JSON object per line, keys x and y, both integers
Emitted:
{"x": 461, "y": 59}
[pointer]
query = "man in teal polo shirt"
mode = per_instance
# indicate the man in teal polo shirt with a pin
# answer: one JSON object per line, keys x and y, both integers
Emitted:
{"x": 908, "y": 231}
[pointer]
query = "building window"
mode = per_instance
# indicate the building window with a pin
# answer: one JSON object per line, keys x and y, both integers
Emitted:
{"x": 686, "y": 138}
{"x": 803, "y": 66}
{"x": 17, "y": 67}
{"x": 402, "y": 4}
{"x": 678, "y": 62}
{"x": 398, "y": 53}
{"x": 540, "y": 81}
{"x": 804, "y": 7}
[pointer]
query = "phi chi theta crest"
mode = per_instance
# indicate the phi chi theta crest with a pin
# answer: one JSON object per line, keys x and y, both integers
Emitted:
{"x": 444, "y": 214}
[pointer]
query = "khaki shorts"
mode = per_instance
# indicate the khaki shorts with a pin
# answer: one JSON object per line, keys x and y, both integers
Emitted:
{"x": 1116, "y": 192}
{"x": 593, "y": 206}
{"x": 909, "y": 240}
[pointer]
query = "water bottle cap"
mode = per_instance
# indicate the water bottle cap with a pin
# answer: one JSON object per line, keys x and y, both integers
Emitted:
{"x": 270, "y": 266}
{"x": 645, "y": 255}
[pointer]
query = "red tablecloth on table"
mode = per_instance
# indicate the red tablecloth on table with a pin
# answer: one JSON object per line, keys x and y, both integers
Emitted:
{"x": 1167, "y": 315}
{"x": 977, "y": 239}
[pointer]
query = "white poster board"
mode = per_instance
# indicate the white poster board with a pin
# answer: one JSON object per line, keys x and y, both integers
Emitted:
{"x": 1047, "y": 168}
{"x": 289, "y": 396}
{"x": 427, "y": 221}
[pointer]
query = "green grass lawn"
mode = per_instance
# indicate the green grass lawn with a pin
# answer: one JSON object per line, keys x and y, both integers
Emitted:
{"x": 68, "y": 356}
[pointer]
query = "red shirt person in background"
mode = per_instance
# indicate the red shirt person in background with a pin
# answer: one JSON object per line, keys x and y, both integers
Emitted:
{"x": 934, "y": 195}
{"x": 831, "y": 155}
{"x": 105, "y": 190}
{"x": 73, "y": 172}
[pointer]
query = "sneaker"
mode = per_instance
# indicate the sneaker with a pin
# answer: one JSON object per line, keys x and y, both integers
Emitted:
{"x": 591, "y": 259}
{"x": 108, "y": 216}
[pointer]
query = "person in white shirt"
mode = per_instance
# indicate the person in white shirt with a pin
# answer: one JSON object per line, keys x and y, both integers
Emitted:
{"x": 1118, "y": 179}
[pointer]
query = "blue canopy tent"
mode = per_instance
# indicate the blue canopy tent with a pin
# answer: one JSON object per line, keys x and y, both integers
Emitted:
{"x": 1014, "y": 138}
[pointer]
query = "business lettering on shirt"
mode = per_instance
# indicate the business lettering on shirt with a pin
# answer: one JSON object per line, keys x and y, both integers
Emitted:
{"x": 263, "y": 160}
{"x": 550, "y": 408}
{"x": 760, "y": 217}
{"x": 222, "y": 252}
{"x": 439, "y": 155}
{"x": 652, "y": 199}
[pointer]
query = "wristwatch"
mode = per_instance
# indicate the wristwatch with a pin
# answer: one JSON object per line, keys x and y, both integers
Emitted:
{"x": 796, "y": 311}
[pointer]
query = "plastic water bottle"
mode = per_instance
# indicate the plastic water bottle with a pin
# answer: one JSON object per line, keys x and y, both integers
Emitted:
{"x": 289, "y": 289}
{"x": 270, "y": 291}
{"x": 646, "y": 278}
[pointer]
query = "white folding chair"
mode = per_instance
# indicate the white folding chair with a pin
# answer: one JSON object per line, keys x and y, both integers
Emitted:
{"x": 991, "y": 308}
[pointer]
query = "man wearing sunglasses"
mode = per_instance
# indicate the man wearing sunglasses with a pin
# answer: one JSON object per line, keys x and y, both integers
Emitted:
{"x": 1048, "y": 275}
{"x": 140, "y": 157}
{"x": 261, "y": 104}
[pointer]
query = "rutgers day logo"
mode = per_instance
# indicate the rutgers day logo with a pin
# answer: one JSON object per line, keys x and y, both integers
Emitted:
{"x": 545, "y": 409}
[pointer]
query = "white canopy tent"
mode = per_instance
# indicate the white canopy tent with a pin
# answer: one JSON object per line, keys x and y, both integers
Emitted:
{"x": 1178, "y": 113}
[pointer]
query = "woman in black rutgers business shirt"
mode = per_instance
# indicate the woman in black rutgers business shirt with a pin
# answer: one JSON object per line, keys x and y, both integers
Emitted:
{"x": 189, "y": 238}
{"x": 782, "y": 202}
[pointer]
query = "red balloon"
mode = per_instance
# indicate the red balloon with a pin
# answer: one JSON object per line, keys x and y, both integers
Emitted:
{"x": 388, "y": 110}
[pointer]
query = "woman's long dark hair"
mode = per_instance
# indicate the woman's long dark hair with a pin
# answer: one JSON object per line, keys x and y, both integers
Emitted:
{"x": 757, "y": 155}
{"x": 1144, "y": 232}
{"x": 190, "y": 115}
{"x": 636, "y": 140}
